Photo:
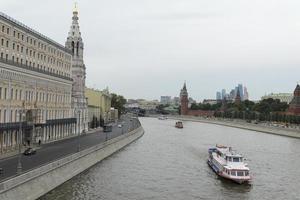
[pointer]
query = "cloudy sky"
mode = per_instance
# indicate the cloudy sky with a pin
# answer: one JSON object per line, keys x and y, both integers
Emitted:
{"x": 148, "y": 48}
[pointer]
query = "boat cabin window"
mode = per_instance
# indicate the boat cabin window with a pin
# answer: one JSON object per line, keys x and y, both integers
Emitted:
{"x": 246, "y": 173}
{"x": 233, "y": 173}
{"x": 234, "y": 159}
{"x": 229, "y": 159}
{"x": 240, "y": 173}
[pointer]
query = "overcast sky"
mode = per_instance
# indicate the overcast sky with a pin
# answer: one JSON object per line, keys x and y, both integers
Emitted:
{"x": 147, "y": 48}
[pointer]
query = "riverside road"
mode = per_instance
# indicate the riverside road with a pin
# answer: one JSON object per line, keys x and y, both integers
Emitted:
{"x": 56, "y": 150}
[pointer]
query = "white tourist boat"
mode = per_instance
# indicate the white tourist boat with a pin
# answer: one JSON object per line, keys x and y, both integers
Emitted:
{"x": 228, "y": 164}
{"x": 162, "y": 117}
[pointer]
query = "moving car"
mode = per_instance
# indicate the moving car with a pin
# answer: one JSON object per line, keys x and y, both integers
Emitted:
{"x": 29, "y": 151}
{"x": 107, "y": 128}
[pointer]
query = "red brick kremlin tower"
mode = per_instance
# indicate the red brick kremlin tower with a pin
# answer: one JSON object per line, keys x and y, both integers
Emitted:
{"x": 184, "y": 101}
{"x": 294, "y": 107}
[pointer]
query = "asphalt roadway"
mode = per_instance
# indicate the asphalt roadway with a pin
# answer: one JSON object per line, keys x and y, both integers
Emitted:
{"x": 56, "y": 150}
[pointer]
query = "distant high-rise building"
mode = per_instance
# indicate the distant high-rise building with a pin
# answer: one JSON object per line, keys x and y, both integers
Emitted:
{"x": 246, "y": 95}
{"x": 218, "y": 96}
{"x": 223, "y": 94}
{"x": 176, "y": 100}
{"x": 240, "y": 88}
{"x": 232, "y": 94}
{"x": 165, "y": 100}
{"x": 237, "y": 97}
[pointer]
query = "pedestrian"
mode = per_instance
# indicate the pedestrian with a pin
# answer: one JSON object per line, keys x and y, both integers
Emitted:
{"x": 39, "y": 142}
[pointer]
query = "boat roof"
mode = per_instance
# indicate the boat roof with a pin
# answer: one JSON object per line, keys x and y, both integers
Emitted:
{"x": 237, "y": 167}
{"x": 227, "y": 151}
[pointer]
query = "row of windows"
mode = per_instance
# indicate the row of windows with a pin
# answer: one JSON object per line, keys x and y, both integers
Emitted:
{"x": 14, "y": 115}
{"x": 17, "y": 60}
{"x": 32, "y": 53}
{"x": 34, "y": 42}
{"x": 31, "y": 96}
{"x": 237, "y": 173}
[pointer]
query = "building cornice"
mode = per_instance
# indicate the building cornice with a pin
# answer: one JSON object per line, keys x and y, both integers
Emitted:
{"x": 36, "y": 34}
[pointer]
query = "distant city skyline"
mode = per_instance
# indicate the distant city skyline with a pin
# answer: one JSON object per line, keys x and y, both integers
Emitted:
{"x": 143, "y": 49}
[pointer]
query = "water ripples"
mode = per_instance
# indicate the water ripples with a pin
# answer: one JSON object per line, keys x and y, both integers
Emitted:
{"x": 168, "y": 163}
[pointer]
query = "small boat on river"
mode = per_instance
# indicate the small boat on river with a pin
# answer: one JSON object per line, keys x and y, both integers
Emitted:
{"x": 179, "y": 124}
{"x": 228, "y": 164}
{"x": 162, "y": 118}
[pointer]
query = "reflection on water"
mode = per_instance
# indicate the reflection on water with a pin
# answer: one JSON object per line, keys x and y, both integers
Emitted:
{"x": 169, "y": 163}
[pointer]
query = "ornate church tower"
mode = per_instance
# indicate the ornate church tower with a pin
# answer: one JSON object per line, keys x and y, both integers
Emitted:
{"x": 79, "y": 102}
{"x": 184, "y": 101}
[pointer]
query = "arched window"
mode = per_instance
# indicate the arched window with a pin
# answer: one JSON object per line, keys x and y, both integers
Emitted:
{"x": 16, "y": 116}
{"x": 73, "y": 47}
{"x": 77, "y": 48}
{"x": 4, "y": 116}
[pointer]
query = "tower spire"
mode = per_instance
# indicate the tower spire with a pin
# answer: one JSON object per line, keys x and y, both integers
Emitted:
{"x": 75, "y": 8}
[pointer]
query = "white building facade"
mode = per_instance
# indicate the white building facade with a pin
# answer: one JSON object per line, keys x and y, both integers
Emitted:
{"x": 35, "y": 87}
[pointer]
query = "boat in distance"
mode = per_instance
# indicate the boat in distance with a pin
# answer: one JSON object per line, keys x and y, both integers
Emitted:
{"x": 228, "y": 164}
{"x": 162, "y": 118}
{"x": 179, "y": 124}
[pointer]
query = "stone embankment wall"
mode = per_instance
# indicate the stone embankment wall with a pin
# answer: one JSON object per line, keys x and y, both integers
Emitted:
{"x": 244, "y": 125}
{"x": 39, "y": 181}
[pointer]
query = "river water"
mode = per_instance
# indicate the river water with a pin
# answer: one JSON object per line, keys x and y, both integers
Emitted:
{"x": 169, "y": 163}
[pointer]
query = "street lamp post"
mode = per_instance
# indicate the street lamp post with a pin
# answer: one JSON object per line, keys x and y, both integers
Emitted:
{"x": 19, "y": 166}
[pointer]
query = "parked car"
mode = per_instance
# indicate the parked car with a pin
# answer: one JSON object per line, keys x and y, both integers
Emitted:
{"x": 120, "y": 125}
{"x": 1, "y": 170}
{"x": 29, "y": 151}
